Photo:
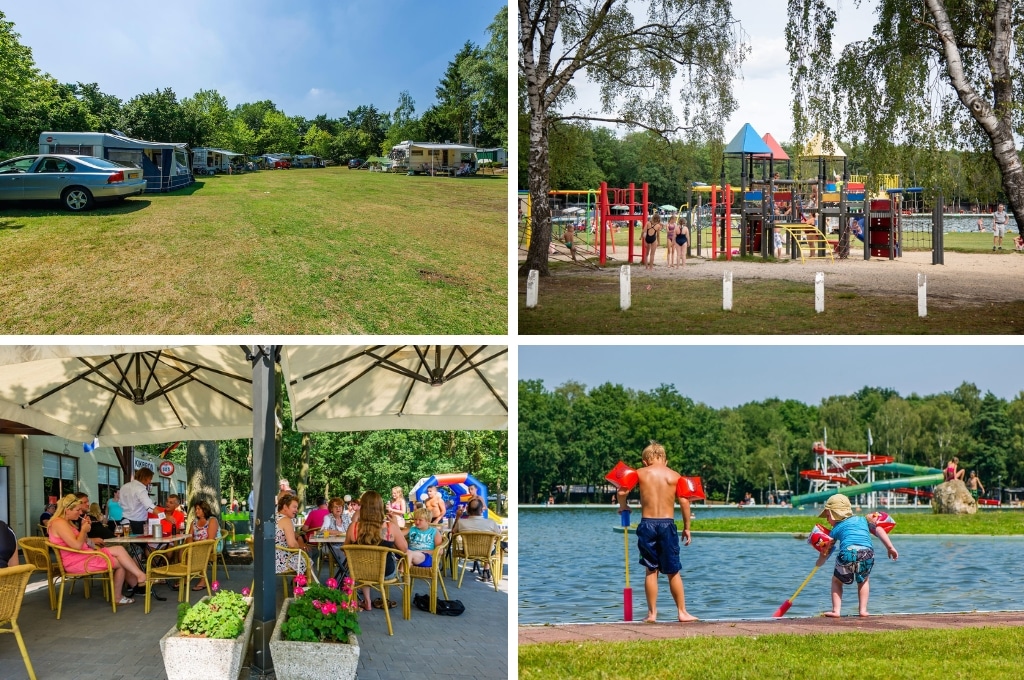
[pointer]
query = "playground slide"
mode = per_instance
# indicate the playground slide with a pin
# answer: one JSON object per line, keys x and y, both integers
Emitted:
{"x": 878, "y": 485}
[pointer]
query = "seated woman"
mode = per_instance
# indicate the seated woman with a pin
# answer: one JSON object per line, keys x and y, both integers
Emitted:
{"x": 373, "y": 527}
{"x": 422, "y": 539}
{"x": 287, "y": 508}
{"x": 63, "y": 533}
{"x": 8, "y": 546}
{"x": 203, "y": 528}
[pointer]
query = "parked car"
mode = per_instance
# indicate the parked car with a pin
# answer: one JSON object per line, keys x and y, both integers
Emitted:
{"x": 76, "y": 181}
{"x": 355, "y": 163}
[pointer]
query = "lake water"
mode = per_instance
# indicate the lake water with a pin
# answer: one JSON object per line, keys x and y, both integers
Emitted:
{"x": 572, "y": 571}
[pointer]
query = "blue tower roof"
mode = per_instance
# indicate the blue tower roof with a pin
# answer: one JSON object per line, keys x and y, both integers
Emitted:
{"x": 747, "y": 141}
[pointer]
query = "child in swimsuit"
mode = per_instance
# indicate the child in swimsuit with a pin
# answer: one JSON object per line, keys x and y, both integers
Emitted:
{"x": 656, "y": 535}
{"x": 670, "y": 233}
{"x": 651, "y": 241}
{"x": 682, "y": 236}
{"x": 855, "y": 556}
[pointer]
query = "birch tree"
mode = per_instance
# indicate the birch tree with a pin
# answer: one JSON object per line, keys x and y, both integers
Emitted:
{"x": 935, "y": 74}
{"x": 637, "y": 53}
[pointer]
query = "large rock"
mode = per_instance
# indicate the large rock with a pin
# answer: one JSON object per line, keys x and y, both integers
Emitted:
{"x": 953, "y": 498}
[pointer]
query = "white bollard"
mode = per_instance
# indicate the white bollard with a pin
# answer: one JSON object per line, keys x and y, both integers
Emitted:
{"x": 727, "y": 291}
{"x": 532, "y": 280}
{"x": 922, "y": 295}
{"x": 819, "y": 292}
{"x": 625, "y": 292}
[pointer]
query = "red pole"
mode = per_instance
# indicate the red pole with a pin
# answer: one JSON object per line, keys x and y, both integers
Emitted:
{"x": 602, "y": 211}
{"x": 714, "y": 221}
{"x": 632, "y": 222}
{"x": 728, "y": 221}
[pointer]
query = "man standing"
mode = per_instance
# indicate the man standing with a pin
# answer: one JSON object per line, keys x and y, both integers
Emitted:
{"x": 435, "y": 504}
{"x": 999, "y": 220}
{"x": 135, "y": 501}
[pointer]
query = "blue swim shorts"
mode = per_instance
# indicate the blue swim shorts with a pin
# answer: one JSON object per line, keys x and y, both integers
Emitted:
{"x": 658, "y": 542}
{"x": 854, "y": 563}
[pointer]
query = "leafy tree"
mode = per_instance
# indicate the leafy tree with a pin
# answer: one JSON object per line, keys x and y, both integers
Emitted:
{"x": 104, "y": 110}
{"x": 277, "y": 134}
{"x": 935, "y": 75}
{"x": 154, "y": 116}
{"x": 991, "y": 432}
{"x": 236, "y": 136}
{"x": 317, "y": 142}
{"x": 635, "y": 63}
{"x": 202, "y": 116}
{"x": 456, "y": 94}
{"x": 404, "y": 124}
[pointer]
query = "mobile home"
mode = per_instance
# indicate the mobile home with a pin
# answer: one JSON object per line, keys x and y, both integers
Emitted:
{"x": 164, "y": 165}
{"x": 497, "y": 156}
{"x": 211, "y": 161}
{"x": 432, "y": 157}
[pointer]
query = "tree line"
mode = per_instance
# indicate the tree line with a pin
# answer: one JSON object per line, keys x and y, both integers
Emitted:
{"x": 582, "y": 156}
{"x": 471, "y": 108}
{"x": 571, "y": 436}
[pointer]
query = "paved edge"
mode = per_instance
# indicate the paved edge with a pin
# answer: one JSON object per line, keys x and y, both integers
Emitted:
{"x": 635, "y": 631}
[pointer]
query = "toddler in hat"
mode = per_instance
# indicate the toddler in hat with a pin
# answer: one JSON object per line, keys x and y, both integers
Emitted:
{"x": 852, "y": 547}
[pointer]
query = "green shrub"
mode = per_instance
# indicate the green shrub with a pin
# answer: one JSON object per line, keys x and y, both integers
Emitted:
{"x": 221, "y": 617}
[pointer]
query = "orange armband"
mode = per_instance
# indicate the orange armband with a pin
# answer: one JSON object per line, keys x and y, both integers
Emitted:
{"x": 623, "y": 476}
{"x": 690, "y": 487}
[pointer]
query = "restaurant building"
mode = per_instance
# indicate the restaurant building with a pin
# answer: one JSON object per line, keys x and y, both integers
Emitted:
{"x": 38, "y": 469}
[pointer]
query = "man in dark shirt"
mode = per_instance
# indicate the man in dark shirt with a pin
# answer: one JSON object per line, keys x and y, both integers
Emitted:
{"x": 8, "y": 546}
{"x": 47, "y": 514}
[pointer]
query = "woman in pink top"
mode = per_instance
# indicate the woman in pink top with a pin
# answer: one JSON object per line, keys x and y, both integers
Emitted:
{"x": 63, "y": 533}
{"x": 396, "y": 507}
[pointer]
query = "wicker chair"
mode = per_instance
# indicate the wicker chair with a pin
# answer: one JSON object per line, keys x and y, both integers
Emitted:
{"x": 36, "y": 553}
{"x": 106, "y": 575}
{"x": 224, "y": 536}
{"x": 12, "y": 590}
{"x": 482, "y": 546}
{"x": 433, "y": 574}
{"x": 368, "y": 565}
{"x": 287, "y": 573}
{"x": 192, "y": 563}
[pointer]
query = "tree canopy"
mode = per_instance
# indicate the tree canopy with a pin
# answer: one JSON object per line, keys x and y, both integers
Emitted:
{"x": 572, "y": 435}
{"x": 644, "y": 57}
{"x": 471, "y": 107}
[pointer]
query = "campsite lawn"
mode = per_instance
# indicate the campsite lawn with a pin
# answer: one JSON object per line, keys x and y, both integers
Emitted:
{"x": 327, "y": 251}
{"x": 980, "y": 654}
{"x": 984, "y": 523}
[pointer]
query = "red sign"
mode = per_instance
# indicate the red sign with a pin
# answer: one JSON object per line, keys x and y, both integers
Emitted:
{"x": 49, "y": 139}
{"x": 166, "y": 468}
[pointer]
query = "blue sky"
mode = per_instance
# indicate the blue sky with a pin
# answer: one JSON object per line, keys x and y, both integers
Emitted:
{"x": 307, "y": 56}
{"x": 730, "y": 376}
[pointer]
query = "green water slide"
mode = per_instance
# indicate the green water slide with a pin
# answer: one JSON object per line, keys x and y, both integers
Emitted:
{"x": 904, "y": 469}
{"x": 878, "y": 485}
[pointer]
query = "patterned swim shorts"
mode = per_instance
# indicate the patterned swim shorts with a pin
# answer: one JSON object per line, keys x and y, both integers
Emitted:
{"x": 854, "y": 563}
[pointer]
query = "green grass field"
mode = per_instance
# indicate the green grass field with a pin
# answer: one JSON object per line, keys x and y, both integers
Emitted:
{"x": 988, "y": 522}
{"x": 979, "y": 654}
{"x": 329, "y": 251}
{"x": 674, "y": 306}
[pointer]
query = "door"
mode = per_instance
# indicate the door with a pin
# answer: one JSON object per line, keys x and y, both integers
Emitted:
{"x": 12, "y": 178}
{"x": 48, "y": 179}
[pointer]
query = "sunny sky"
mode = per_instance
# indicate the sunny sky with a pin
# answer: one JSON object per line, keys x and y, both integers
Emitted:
{"x": 729, "y": 376}
{"x": 307, "y": 56}
{"x": 764, "y": 93}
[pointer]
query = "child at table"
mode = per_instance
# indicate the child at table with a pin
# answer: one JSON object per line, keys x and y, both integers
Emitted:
{"x": 854, "y": 555}
{"x": 422, "y": 538}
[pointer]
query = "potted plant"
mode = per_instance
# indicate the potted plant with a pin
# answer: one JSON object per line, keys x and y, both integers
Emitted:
{"x": 315, "y": 635}
{"x": 210, "y": 637}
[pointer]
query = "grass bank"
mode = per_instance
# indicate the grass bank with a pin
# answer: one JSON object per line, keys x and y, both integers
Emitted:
{"x": 328, "y": 251}
{"x": 988, "y": 523}
{"x": 691, "y": 306}
{"x": 980, "y": 654}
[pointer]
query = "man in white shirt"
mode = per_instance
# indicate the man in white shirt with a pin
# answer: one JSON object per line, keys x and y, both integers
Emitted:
{"x": 135, "y": 501}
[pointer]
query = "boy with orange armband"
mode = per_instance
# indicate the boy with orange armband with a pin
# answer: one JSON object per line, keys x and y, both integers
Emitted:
{"x": 657, "y": 537}
{"x": 855, "y": 557}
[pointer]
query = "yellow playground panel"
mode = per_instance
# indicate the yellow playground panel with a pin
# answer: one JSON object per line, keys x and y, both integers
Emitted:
{"x": 810, "y": 242}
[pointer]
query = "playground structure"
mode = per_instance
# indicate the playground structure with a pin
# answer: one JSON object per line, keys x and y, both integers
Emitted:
{"x": 453, "y": 487}
{"x": 854, "y": 475}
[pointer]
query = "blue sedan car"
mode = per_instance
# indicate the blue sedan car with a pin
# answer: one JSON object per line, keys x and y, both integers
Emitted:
{"x": 78, "y": 182}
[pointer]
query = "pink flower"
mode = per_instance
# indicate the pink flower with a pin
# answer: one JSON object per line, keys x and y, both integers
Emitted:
{"x": 347, "y": 590}
{"x": 245, "y": 591}
{"x": 330, "y": 608}
{"x": 347, "y": 580}
{"x": 215, "y": 586}
{"x": 331, "y": 583}
{"x": 316, "y": 603}
{"x": 298, "y": 591}
{"x": 300, "y": 580}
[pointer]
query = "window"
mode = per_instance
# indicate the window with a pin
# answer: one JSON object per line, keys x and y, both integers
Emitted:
{"x": 108, "y": 481}
{"x": 163, "y": 491}
{"x": 60, "y": 475}
{"x": 17, "y": 165}
{"x": 181, "y": 491}
{"x": 73, "y": 149}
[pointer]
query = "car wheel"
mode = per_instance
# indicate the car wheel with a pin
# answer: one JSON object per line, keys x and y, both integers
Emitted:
{"x": 77, "y": 199}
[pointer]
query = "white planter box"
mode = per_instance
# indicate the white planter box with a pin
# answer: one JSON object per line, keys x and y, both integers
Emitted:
{"x": 188, "y": 658}
{"x": 311, "y": 660}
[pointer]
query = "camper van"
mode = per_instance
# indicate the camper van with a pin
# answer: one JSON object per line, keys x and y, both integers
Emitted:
{"x": 433, "y": 158}
{"x": 211, "y": 161}
{"x": 165, "y": 165}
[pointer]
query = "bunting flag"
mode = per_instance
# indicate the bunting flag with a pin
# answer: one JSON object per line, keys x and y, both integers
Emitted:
{"x": 89, "y": 447}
